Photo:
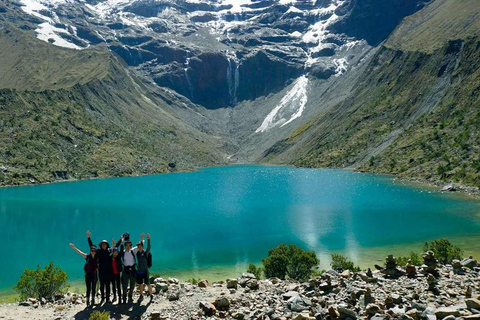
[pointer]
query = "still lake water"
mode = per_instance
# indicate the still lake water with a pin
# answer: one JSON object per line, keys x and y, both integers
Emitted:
{"x": 213, "y": 222}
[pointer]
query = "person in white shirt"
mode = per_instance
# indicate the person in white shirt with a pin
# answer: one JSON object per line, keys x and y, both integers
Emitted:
{"x": 129, "y": 271}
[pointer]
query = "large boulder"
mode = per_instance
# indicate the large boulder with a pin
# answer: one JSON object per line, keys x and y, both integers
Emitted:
{"x": 469, "y": 263}
{"x": 202, "y": 283}
{"x": 444, "y": 312}
{"x": 207, "y": 308}
{"x": 232, "y": 283}
{"x": 222, "y": 304}
{"x": 473, "y": 303}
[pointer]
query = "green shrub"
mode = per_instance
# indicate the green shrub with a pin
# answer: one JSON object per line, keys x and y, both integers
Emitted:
{"x": 255, "y": 270}
{"x": 292, "y": 261}
{"x": 444, "y": 250}
{"x": 97, "y": 315}
{"x": 341, "y": 262}
{"x": 42, "y": 283}
{"x": 415, "y": 257}
{"x": 193, "y": 281}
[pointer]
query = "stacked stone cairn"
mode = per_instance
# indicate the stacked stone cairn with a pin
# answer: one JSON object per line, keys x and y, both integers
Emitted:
{"x": 410, "y": 269}
{"x": 430, "y": 264}
{"x": 390, "y": 270}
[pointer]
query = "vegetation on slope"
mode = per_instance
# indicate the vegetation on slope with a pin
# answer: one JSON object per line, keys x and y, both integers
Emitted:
{"x": 90, "y": 120}
{"x": 414, "y": 113}
{"x": 429, "y": 29}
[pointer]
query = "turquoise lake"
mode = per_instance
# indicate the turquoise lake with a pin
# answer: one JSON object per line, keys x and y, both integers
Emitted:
{"x": 213, "y": 222}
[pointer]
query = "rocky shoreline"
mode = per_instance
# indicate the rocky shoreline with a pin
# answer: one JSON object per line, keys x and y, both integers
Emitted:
{"x": 446, "y": 186}
{"x": 391, "y": 292}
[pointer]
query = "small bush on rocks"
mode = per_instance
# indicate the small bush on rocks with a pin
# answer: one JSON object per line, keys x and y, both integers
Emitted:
{"x": 97, "y": 315}
{"x": 444, "y": 250}
{"x": 42, "y": 283}
{"x": 193, "y": 281}
{"x": 291, "y": 261}
{"x": 415, "y": 257}
{"x": 255, "y": 270}
{"x": 341, "y": 262}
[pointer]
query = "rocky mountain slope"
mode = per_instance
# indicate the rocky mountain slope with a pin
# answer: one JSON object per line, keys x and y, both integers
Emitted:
{"x": 414, "y": 110}
{"x": 84, "y": 116}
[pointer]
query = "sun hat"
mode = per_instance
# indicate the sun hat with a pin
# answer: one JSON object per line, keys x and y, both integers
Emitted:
{"x": 104, "y": 241}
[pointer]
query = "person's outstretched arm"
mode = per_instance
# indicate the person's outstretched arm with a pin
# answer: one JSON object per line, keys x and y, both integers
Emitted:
{"x": 148, "y": 243}
{"x": 90, "y": 243}
{"x": 78, "y": 251}
{"x": 120, "y": 247}
{"x": 119, "y": 242}
{"x": 142, "y": 237}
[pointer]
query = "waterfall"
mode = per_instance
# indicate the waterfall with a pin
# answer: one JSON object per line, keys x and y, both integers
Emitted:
{"x": 190, "y": 87}
{"x": 233, "y": 76}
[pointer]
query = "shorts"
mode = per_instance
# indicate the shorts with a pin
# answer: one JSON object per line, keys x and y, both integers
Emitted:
{"x": 143, "y": 278}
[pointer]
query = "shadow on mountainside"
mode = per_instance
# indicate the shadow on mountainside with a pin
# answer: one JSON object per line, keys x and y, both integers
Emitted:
{"x": 130, "y": 311}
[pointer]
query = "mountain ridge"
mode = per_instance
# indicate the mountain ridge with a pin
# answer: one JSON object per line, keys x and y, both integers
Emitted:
{"x": 387, "y": 125}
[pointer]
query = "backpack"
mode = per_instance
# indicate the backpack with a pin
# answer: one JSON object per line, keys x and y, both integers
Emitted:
{"x": 149, "y": 259}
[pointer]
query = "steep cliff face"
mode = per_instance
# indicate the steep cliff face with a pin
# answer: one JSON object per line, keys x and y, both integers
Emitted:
{"x": 413, "y": 112}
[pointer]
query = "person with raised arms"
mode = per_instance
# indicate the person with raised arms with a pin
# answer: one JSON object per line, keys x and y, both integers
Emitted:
{"x": 90, "y": 268}
{"x": 104, "y": 268}
{"x": 129, "y": 266}
{"x": 142, "y": 268}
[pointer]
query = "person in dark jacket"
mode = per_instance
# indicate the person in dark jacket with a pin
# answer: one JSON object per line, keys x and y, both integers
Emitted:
{"x": 142, "y": 268}
{"x": 104, "y": 268}
{"x": 117, "y": 268}
{"x": 90, "y": 268}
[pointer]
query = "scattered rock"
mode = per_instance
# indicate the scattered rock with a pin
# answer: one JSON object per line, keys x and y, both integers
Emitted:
{"x": 173, "y": 296}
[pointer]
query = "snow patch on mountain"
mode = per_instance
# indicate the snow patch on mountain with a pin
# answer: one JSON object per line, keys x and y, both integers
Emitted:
{"x": 49, "y": 33}
{"x": 237, "y": 5}
{"x": 291, "y": 106}
{"x": 105, "y": 8}
{"x": 341, "y": 66}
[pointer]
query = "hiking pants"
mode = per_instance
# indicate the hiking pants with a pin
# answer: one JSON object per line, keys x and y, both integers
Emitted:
{"x": 116, "y": 286}
{"x": 105, "y": 286}
{"x": 91, "y": 282}
{"x": 128, "y": 277}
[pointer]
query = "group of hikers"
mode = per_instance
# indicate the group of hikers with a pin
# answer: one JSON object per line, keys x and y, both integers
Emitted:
{"x": 118, "y": 267}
